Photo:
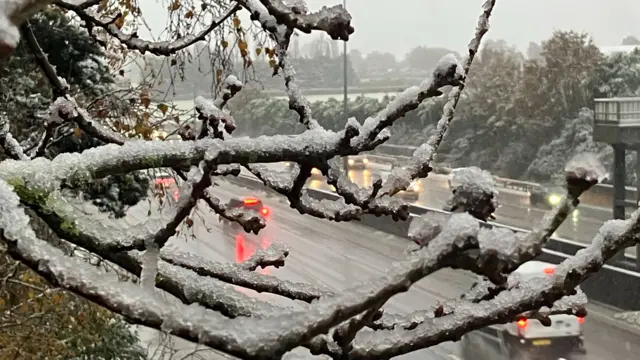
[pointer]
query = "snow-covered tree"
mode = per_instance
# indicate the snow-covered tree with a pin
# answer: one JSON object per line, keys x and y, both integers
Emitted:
{"x": 209, "y": 312}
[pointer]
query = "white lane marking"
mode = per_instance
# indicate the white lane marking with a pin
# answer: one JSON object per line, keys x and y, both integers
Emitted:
{"x": 453, "y": 357}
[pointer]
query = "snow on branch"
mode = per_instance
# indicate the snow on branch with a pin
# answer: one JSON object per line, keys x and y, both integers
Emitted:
{"x": 335, "y": 21}
{"x": 13, "y": 13}
{"x": 8, "y": 143}
{"x": 613, "y": 236}
{"x": 420, "y": 163}
{"x": 65, "y": 109}
{"x": 182, "y": 283}
{"x": 210, "y": 310}
{"x": 133, "y": 42}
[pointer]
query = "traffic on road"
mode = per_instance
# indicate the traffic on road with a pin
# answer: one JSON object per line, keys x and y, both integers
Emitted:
{"x": 517, "y": 208}
{"x": 342, "y": 254}
{"x": 354, "y": 257}
{"x": 338, "y": 256}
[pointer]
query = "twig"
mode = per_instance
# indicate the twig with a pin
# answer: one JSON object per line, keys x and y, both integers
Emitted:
{"x": 160, "y": 48}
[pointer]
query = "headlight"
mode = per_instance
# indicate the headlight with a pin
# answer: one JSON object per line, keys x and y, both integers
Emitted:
{"x": 554, "y": 199}
{"x": 316, "y": 171}
{"x": 365, "y": 161}
{"x": 414, "y": 187}
{"x": 351, "y": 162}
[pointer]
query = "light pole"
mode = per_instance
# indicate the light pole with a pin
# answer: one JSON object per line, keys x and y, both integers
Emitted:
{"x": 345, "y": 159}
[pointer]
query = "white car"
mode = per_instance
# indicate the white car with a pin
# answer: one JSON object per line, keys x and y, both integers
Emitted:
{"x": 525, "y": 339}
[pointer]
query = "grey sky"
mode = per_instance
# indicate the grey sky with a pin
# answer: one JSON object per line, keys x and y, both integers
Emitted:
{"x": 397, "y": 26}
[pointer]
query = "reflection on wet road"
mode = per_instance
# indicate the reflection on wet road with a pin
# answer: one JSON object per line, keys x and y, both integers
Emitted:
{"x": 515, "y": 208}
{"x": 339, "y": 254}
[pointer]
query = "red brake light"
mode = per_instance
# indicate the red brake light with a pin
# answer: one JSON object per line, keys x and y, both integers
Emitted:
{"x": 580, "y": 319}
{"x": 165, "y": 181}
{"x": 264, "y": 211}
{"x": 250, "y": 201}
{"x": 522, "y": 323}
{"x": 549, "y": 270}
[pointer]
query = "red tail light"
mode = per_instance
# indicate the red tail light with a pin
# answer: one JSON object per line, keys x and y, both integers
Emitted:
{"x": 580, "y": 319}
{"x": 240, "y": 253}
{"x": 165, "y": 181}
{"x": 522, "y": 323}
{"x": 264, "y": 211}
{"x": 250, "y": 201}
{"x": 549, "y": 270}
{"x": 176, "y": 194}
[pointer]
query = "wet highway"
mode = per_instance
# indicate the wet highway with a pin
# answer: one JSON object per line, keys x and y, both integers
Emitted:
{"x": 515, "y": 209}
{"x": 339, "y": 254}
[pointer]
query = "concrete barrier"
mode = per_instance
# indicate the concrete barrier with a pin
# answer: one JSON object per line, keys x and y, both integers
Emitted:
{"x": 616, "y": 284}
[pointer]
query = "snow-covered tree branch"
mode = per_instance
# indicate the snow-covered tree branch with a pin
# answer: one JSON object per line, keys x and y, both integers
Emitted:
{"x": 351, "y": 324}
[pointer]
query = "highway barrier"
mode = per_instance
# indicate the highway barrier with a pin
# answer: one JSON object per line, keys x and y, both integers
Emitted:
{"x": 616, "y": 284}
{"x": 600, "y": 195}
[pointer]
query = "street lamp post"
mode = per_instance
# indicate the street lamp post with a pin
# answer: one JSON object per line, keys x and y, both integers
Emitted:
{"x": 345, "y": 159}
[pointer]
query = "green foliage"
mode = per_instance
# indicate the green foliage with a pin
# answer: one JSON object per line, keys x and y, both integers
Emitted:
{"x": 519, "y": 117}
{"x": 25, "y": 92}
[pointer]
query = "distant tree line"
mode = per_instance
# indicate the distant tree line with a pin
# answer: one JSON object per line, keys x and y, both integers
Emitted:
{"x": 534, "y": 109}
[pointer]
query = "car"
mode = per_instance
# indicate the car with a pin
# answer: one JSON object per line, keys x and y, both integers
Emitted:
{"x": 247, "y": 203}
{"x": 524, "y": 338}
{"x": 545, "y": 197}
{"x": 358, "y": 162}
{"x": 412, "y": 193}
{"x": 163, "y": 183}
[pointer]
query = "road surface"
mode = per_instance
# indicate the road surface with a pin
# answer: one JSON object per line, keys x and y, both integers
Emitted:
{"x": 515, "y": 209}
{"x": 339, "y": 254}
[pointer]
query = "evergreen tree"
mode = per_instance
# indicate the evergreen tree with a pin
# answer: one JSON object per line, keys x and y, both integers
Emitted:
{"x": 25, "y": 93}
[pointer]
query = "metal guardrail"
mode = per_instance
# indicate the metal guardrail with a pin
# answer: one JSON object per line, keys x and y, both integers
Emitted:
{"x": 616, "y": 284}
